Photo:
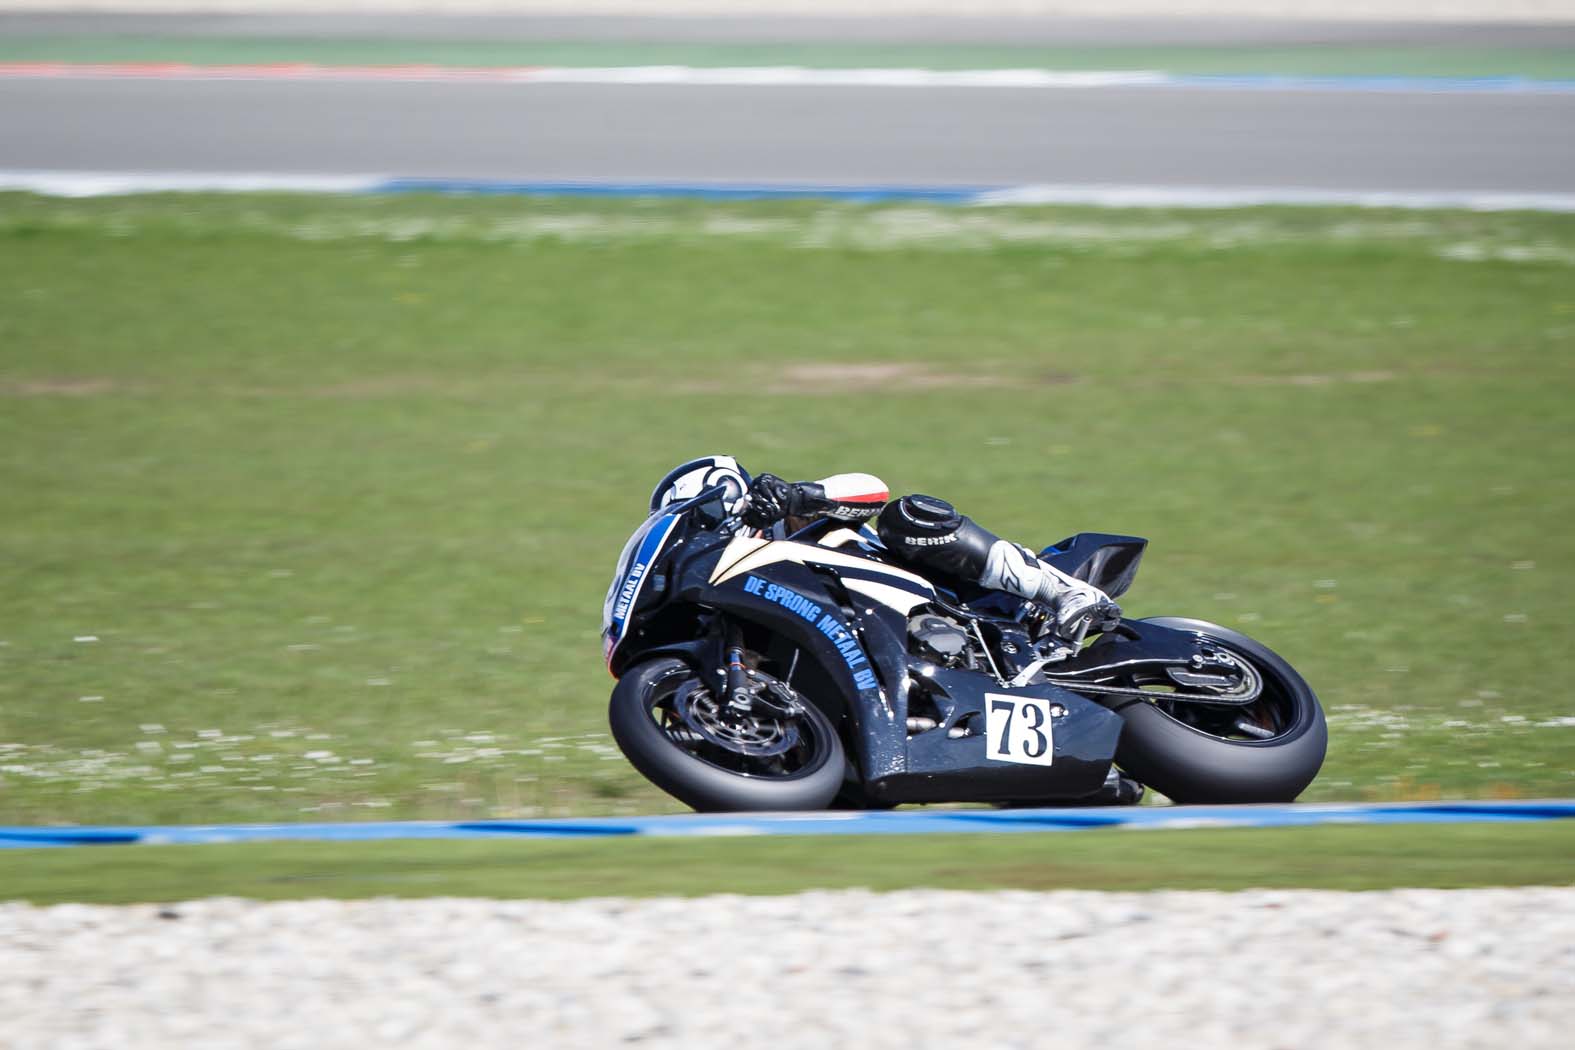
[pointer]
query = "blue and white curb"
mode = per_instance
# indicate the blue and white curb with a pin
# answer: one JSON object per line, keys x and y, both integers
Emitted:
{"x": 909, "y": 822}
{"x": 125, "y": 183}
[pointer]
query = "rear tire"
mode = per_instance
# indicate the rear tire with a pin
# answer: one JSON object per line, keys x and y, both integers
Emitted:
{"x": 643, "y": 724}
{"x": 1189, "y": 763}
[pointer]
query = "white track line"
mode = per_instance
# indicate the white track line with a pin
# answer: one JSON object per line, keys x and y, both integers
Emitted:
{"x": 1257, "y": 196}
{"x": 776, "y": 76}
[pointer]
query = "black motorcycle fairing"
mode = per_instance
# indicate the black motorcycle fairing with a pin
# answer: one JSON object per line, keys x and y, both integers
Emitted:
{"x": 794, "y": 601}
{"x": 1106, "y": 560}
{"x": 940, "y": 761}
{"x": 859, "y": 656}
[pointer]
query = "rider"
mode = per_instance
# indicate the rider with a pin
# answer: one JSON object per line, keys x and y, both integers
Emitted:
{"x": 922, "y": 532}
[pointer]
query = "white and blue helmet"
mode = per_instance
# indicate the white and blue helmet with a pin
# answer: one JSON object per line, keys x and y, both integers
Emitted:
{"x": 688, "y": 480}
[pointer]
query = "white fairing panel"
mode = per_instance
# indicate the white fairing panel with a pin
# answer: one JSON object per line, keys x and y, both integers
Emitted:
{"x": 892, "y": 597}
{"x": 889, "y": 586}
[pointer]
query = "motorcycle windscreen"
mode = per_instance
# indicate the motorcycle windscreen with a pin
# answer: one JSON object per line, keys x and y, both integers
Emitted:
{"x": 708, "y": 510}
{"x": 634, "y": 563}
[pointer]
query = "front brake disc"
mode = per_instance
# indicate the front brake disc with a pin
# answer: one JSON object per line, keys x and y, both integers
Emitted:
{"x": 743, "y": 733}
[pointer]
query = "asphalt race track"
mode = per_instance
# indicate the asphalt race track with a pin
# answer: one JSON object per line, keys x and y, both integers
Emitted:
{"x": 1189, "y": 136}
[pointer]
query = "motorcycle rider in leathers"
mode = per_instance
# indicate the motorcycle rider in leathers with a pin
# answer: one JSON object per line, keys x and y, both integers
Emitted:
{"x": 923, "y": 533}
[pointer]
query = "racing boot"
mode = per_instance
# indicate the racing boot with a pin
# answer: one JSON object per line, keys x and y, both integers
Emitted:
{"x": 928, "y": 533}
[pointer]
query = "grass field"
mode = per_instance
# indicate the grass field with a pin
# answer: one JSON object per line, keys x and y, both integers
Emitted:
{"x": 1340, "y": 858}
{"x": 309, "y": 503}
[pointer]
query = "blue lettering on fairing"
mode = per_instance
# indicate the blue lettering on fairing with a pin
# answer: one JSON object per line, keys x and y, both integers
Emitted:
{"x": 825, "y": 623}
{"x": 790, "y": 600}
{"x": 848, "y": 646}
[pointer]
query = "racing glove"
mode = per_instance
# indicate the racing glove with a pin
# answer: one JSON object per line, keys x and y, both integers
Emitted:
{"x": 845, "y": 497}
{"x": 770, "y": 500}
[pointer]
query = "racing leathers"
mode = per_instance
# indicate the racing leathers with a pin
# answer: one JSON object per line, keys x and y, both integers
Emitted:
{"x": 929, "y": 535}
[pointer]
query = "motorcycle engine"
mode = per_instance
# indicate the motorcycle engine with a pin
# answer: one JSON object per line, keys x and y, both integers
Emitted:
{"x": 940, "y": 639}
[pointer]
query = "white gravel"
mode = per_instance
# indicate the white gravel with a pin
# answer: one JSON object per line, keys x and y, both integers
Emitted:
{"x": 1295, "y": 969}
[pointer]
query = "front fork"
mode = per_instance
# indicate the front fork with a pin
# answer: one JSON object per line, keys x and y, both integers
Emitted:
{"x": 739, "y": 696}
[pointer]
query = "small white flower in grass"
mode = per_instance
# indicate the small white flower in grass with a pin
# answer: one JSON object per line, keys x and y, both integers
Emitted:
{"x": 377, "y": 681}
{"x": 210, "y": 734}
{"x": 1514, "y": 617}
{"x": 1326, "y": 585}
{"x": 85, "y": 638}
{"x": 281, "y": 732}
{"x": 90, "y": 699}
{"x": 1523, "y": 566}
{"x": 151, "y": 727}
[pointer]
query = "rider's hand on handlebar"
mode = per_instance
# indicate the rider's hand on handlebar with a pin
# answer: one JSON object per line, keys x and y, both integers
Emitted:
{"x": 768, "y": 502}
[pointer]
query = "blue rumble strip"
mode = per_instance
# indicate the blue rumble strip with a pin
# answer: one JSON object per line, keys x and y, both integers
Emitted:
{"x": 904, "y": 822}
{"x": 731, "y": 191}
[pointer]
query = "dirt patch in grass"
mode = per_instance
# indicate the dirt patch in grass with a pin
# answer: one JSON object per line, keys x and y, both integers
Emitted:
{"x": 79, "y": 387}
{"x": 849, "y": 377}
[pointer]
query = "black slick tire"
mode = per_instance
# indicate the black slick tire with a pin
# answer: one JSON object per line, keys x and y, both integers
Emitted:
{"x": 1191, "y": 766}
{"x": 696, "y": 782}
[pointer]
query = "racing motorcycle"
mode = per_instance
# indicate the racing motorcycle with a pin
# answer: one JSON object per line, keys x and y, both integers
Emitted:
{"x": 814, "y": 672}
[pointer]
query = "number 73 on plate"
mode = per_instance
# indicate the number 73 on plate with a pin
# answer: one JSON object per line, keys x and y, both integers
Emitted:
{"x": 1018, "y": 728}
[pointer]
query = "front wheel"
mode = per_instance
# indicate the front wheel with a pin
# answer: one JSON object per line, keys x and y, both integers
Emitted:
{"x": 1267, "y": 751}
{"x": 782, "y": 755}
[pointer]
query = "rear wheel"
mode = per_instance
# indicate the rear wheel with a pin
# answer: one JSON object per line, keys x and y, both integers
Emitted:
{"x": 784, "y": 754}
{"x": 1266, "y": 751}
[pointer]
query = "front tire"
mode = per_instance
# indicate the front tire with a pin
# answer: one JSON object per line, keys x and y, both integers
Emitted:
{"x": 1194, "y": 753}
{"x": 649, "y": 727}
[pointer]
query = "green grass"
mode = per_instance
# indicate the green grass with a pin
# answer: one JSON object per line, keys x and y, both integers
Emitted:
{"x": 1343, "y": 858}
{"x": 1315, "y": 60}
{"x": 336, "y": 483}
